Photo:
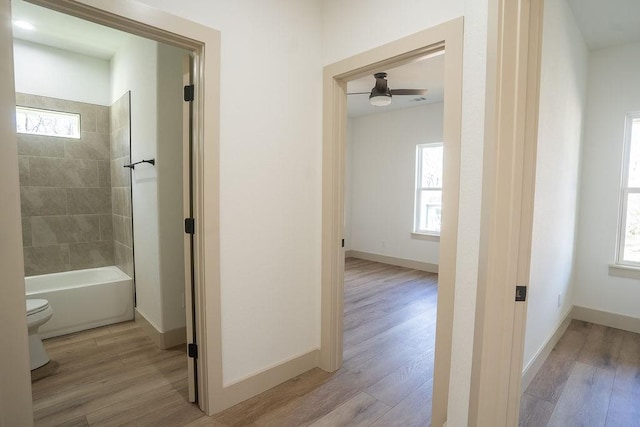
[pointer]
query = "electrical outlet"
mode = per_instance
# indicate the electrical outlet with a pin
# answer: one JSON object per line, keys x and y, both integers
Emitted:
{"x": 559, "y": 300}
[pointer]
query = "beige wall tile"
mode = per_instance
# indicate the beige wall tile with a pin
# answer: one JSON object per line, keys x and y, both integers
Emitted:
{"x": 120, "y": 176}
{"x": 43, "y": 201}
{"x": 90, "y": 255}
{"x": 23, "y": 169}
{"x": 89, "y": 200}
{"x": 66, "y": 194}
{"x": 46, "y": 259}
{"x": 106, "y": 227}
{"x": 123, "y": 258}
{"x": 102, "y": 119}
{"x": 91, "y": 146}
{"x": 47, "y": 230}
{"x": 54, "y": 172}
{"x": 26, "y": 231}
{"x": 104, "y": 173}
{"x": 37, "y": 145}
{"x": 122, "y": 230}
{"x": 88, "y": 116}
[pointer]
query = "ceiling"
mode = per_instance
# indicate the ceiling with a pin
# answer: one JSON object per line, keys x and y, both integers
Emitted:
{"x": 66, "y": 32}
{"x": 425, "y": 74}
{"x": 606, "y": 23}
{"x": 603, "y": 23}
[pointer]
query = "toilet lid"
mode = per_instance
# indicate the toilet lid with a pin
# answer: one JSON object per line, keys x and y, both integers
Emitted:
{"x": 36, "y": 305}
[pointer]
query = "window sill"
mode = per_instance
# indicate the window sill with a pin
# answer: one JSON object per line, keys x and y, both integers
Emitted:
{"x": 626, "y": 271}
{"x": 425, "y": 236}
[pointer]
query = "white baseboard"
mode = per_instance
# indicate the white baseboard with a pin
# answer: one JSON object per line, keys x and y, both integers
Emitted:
{"x": 163, "y": 340}
{"x": 533, "y": 367}
{"x": 246, "y": 388}
{"x": 400, "y": 262}
{"x": 585, "y": 314}
{"x": 612, "y": 320}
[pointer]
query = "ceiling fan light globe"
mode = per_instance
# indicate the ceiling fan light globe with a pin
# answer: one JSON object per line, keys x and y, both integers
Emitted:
{"x": 380, "y": 100}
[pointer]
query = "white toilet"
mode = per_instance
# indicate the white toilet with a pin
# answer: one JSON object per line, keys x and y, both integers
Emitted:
{"x": 38, "y": 313}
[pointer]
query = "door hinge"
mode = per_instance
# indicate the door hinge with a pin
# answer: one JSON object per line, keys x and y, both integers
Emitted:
{"x": 521, "y": 293}
{"x": 190, "y": 225}
{"x": 192, "y": 350}
{"x": 343, "y": 243}
{"x": 189, "y": 93}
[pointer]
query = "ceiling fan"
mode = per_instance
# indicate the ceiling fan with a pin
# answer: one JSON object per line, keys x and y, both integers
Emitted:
{"x": 381, "y": 95}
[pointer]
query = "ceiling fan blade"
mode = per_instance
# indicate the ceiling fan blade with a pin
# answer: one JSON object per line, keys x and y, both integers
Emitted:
{"x": 359, "y": 93}
{"x": 409, "y": 92}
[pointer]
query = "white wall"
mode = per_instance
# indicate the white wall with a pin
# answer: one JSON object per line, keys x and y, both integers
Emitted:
{"x": 47, "y": 71}
{"x": 348, "y": 185}
{"x": 134, "y": 68}
{"x": 346, "y": 32}
{"x": 382, "y": 190}
{"x": 613, "y": 91}
{"x": 153, "y": 74}
{"x": 270, "y": 157}
{"x": 562, "y": 108}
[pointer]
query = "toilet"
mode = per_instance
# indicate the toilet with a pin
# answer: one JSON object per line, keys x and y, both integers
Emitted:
{"x": 38, "y": 313}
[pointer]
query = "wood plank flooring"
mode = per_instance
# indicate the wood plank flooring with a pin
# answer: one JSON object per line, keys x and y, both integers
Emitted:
{"x": 591, "y": 378}
{"x": 111, "y": 376}
{"x": 386, "y": 379}
{"x": 114, "y": 375}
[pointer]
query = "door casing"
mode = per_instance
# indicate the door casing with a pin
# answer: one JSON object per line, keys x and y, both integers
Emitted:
{"x": 448, "y": 37}
{"x": 511, "y": 134}
{"x": 204, "y": 44}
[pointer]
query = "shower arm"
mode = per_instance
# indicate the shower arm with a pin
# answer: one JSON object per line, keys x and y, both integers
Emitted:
{"x": 133, "y": 165}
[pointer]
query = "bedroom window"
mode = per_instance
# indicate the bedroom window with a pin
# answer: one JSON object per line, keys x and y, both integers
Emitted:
{"x": 629, "y": 224}
{"x": 47, "y": 123}
{"x": 428, "y": 200}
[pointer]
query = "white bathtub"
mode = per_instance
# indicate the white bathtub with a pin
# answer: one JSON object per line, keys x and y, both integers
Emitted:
{"x": 83, "y": 299}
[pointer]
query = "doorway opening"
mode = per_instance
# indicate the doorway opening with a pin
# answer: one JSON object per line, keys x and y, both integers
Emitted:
{"x": 194, "y": 41}
{"x": 446, "y": 37}
{"x": 393, "y": 189}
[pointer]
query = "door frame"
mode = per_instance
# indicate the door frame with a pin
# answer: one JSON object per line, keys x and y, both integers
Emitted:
{"x": 447, "y": 36}
{"x": 509, "y": 166}
{"x": 204, "y": 44}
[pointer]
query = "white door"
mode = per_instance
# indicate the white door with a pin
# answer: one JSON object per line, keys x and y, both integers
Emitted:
{"x": 189, "y": 282}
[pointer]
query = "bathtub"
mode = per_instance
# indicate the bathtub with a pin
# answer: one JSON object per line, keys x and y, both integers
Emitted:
{"x": 83, "y": 299}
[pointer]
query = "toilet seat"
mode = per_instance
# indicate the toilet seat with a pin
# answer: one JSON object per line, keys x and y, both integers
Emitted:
{"x": 36, "y": 306}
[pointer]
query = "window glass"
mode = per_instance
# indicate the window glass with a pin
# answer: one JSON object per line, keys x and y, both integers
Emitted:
{"x": 629, "y": 226}
{"x": 432, "y": 167}
{"x": 428, "y": 203}
{"x": 632, "y": 229}
{"x": 634, "y": 154}
{"x": 48, "y": 123}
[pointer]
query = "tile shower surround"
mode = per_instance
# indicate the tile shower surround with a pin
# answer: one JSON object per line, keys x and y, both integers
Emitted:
{"x": 65, "y": 192}
{"x": 120, "y": 155}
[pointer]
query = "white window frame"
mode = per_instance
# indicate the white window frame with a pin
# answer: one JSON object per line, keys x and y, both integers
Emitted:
{"x": 50, "y": 113}
{"x": 419, "y": 189}
{"x": 625, "y": 190}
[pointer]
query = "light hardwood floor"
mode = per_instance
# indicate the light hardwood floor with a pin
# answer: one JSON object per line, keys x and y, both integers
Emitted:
{"x": 591, "y": 378}
{"x": 114, "y": 375}
{"x": 111, "y": 376}
{"x": 386, "y": 379}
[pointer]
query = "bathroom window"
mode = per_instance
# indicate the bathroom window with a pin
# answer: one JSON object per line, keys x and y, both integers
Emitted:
{"x": 47, "y": 122}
